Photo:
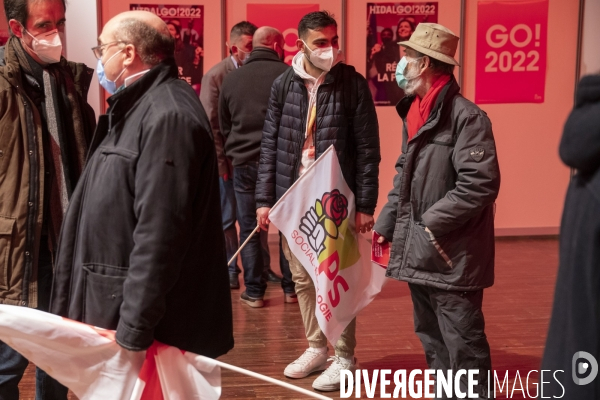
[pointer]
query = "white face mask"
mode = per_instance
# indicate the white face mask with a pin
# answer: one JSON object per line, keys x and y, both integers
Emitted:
{"x": 321, "y": 58}
{"x": 246, "y": 57}
{"x": 47, "y": 46}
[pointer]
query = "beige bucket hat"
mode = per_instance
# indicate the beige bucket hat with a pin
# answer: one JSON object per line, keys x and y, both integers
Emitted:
{"x": 434, "y": 40}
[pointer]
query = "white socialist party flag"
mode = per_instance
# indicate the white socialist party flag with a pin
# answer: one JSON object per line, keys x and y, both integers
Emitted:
{"x": 89, "y": 361}
{"x": 316, "y": 215}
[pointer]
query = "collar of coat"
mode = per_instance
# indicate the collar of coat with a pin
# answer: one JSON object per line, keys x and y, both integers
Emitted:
{"x": 10, "y": 69}
{"x": 263, "y": 54}
{"x": 122, "y": 101}
{"x": 448, "y": 92}
{"x": 588, "y": 90}
{"x": 329, "y": 78}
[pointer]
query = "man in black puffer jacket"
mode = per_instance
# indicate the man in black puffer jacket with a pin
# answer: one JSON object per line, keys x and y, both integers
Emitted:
{"x": 326, "y": 103}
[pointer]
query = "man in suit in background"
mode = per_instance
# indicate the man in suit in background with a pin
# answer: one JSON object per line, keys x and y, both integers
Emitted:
{"x": 240, "y": 46}
{"x": 242, "y": 109}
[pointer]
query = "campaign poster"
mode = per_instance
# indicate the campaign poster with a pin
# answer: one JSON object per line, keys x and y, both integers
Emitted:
{"x": 186, "y": 25}
{"x": 388, "y": 24}
{"x": 285, "y": 18}
{"x": 511, "y": 51}
{"x": 4, "y": 32}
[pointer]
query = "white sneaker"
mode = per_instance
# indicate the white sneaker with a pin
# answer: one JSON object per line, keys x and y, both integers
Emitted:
{"x": 309, "y": 362}
{"x": 329, "y": 380}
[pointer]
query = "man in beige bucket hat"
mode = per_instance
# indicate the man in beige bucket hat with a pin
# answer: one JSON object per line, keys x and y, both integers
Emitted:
{"x": 440, "y": 214}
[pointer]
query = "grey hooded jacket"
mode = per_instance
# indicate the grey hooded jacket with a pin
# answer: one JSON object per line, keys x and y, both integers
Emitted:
{"x": 448, "y": 179}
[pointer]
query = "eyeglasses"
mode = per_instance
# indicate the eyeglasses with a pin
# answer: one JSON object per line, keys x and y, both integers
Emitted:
{"x": 99, "y": 50}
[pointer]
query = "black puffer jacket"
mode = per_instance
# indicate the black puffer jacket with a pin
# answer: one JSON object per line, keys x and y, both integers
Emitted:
{"x": 356, "y": 141}
{"x": 448, "y": 179}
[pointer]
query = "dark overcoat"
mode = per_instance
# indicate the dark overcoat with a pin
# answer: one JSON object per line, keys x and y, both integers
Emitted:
{"x": 142, "y": 248}
{"x": 575, "y": 322}
{"x": 448, "y": 180}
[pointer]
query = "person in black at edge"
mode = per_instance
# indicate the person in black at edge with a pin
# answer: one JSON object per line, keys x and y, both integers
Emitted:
{"x": 574, "y": 333}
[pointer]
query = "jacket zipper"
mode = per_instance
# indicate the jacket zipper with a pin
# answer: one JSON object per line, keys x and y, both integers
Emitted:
{"x": 303, "y": 125}
{"x": 304, "y": 111}
{"x": 33, "y": 195}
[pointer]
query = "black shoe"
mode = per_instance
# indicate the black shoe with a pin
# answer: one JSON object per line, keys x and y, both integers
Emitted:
{"x": 234, "y": 282}
{"x": 272, "y": 276}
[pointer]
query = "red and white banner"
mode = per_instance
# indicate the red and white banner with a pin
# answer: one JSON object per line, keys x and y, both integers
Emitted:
{"x": 285, "y": 18}
{"x": 316, "y": 215}
{"x": 93, "y": 366}
{"x": 511, "y": 51}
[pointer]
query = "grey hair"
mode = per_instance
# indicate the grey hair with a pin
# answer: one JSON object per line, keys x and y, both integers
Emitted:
{"x": 152, "y": 45}
{"x": 438, "y": 67}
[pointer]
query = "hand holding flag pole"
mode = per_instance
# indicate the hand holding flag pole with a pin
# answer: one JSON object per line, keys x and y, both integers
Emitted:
{"x": 244, "y": 244}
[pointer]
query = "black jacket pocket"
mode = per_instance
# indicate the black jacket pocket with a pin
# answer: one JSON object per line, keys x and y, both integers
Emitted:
{"x": 426, "y": 253}
{"x": 102, "y": 298}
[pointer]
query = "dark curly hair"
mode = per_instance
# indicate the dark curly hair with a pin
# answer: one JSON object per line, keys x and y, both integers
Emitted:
{"x": 315, "y": 21}
{"x": 17, "y": 10}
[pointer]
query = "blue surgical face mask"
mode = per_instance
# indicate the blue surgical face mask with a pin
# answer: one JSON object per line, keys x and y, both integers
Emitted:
{"x": 401, "y": 79}
{"x": 108, "y": 85}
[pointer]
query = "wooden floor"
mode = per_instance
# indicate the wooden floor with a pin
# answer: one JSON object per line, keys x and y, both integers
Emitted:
{"x": 517, "y": 310}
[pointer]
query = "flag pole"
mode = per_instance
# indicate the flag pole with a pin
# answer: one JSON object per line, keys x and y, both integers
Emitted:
{"x": 244, "y": 244}
{"x": 269, "y": 379}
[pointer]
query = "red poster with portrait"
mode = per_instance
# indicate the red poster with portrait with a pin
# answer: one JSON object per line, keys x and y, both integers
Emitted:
{"x": 388, "y": 24}
{"x": 285, "y": 18}
{"x": 186, "y": 25}
{"x": 511, "y": 51}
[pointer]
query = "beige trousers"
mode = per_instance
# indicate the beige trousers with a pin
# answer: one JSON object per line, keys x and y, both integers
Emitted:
{"x": 305, "y": 290}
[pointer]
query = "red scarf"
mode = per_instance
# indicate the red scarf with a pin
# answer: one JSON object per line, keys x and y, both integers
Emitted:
{"x": 421, "y": 108}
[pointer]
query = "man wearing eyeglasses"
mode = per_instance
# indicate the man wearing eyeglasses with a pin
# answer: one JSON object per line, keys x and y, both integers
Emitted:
{"x": 45, "y": 129}
{"x": 141, "y": 250}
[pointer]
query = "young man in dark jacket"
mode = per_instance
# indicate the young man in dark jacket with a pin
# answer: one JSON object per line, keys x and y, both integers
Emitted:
{"x": 313, "y": 116}
{"x": 141, "y": 250}
{"x": 242, "y": 109}
{"x": 45, "y": 129}
{"x": 440, "y": 213}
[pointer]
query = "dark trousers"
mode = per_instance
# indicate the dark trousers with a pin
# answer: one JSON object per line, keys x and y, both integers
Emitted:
{"x": 228, "y": 215}
{"x": 451, "y": 327}
{"x": 244, "y": 184}
{"x": 13, "y": 364}
{"x": 253, "y": 255}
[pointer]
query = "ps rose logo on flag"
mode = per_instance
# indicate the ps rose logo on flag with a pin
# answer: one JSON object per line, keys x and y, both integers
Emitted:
{"x": 335, "y": 207}
{"x": 328, "y": 230}
{"x": 316, "y": 216}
